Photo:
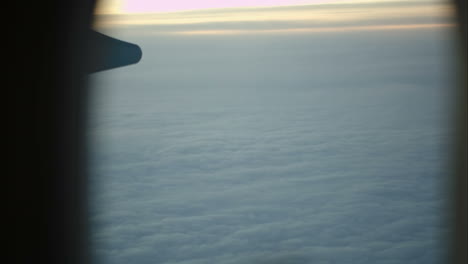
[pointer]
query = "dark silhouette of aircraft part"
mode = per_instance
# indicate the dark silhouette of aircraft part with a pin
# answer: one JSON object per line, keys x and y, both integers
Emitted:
{"x": 108, "y": 53}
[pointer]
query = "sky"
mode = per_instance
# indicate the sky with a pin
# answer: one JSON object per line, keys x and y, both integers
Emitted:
{"x": 293, "y": 134}
{"x": 318, "y": 17}
{"x": 148, "y": 6}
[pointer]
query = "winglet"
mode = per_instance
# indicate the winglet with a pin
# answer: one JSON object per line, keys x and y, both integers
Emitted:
{"x": 108, "y": 53}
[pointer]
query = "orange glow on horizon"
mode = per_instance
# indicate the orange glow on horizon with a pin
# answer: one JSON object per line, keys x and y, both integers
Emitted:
{"x": 315, "y": 30}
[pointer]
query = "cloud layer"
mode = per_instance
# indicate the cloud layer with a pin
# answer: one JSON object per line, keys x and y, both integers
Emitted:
{"x": 273, "y": 149}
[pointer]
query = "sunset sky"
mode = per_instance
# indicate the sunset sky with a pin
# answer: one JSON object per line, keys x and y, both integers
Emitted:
{"x": 147, "y": 6}
{"x": 273, "y": 16}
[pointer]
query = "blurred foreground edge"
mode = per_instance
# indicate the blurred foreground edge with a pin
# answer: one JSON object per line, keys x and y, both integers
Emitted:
{"x": 460, "y": 158}
{"x": 48, "y": 61}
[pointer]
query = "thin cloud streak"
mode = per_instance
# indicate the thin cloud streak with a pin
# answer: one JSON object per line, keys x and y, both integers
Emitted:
{"x": 145, "y": 6}
{"x": 314, "y": 30}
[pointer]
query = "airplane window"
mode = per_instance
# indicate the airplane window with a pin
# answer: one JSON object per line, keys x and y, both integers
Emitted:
{"x": 274, "y": 132}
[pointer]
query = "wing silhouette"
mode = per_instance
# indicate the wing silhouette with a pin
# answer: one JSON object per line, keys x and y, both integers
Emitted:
{"x": 108, "y": 53}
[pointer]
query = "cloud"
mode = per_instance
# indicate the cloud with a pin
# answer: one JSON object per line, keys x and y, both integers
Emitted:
{"x": 269, "y": 149}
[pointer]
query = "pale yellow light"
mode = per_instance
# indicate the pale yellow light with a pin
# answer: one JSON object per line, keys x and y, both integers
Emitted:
{"x": 107, "y": 7}
{"x": 312, "y": 15}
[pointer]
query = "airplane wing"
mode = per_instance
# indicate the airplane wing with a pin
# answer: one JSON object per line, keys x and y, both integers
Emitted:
{"x": 108, "y": 53}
